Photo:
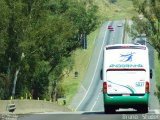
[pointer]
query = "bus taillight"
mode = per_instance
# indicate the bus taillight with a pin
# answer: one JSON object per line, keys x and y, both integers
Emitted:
{"x": 147, "y": 87}
{"x": 104, "y": 87}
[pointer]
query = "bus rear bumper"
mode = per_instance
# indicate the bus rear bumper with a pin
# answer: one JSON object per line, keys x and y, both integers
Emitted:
{"x": 126, "y": 101}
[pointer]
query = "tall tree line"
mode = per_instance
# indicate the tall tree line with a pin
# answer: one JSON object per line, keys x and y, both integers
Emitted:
{"x": 37, "y": 38}
{"x": 148, "y": 21}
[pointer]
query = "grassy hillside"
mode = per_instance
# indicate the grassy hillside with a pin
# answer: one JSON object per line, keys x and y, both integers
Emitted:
{"x": 119, "y": 10}
{"x": 106, "y": 11}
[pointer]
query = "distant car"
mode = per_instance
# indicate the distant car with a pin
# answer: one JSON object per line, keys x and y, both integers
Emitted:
{"x": 140, "y": 40}
{"x": 110, "y": 28}
{"x": 120, "y": 25}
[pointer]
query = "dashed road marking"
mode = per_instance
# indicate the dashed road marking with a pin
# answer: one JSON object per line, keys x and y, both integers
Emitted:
{"x": 83, "y": 88}
{"x": 95, "y": 101}
{"x": 156, "y": 111}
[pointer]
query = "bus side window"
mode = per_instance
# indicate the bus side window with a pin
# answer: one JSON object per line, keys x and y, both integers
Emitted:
{"x": 101, "y": 74}
{"x": 151, "y": 73}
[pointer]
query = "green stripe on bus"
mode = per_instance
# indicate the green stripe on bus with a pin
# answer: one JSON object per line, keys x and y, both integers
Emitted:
{"x": 123, "y": 86}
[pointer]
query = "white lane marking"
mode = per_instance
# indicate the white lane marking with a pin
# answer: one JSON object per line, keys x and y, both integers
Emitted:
{"x": 112, "y": 37}
{"x": 83, "y": 88}
{"x": 95, "y": 101}
{"x": 121, "y": 38}
{"x": 95, "y": 69}
{"x": 60, "y": 113}
{"x": 125, "y": 109}
{"x": 122, "y": 32}
{"x": 156, "y": 111}
{"x": 93, "y": 106}
{"x": 130, "y": 27}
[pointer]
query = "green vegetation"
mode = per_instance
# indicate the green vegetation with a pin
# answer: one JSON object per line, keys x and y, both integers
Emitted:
{"x": 157, "y": 75}
{"x": 148, "y": 21}
{"x": 157, "y": 70}
{"x": 37, "y": 40}
{"x": 117, "y": 10}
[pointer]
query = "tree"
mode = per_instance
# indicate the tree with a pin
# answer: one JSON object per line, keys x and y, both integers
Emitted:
{"x": 37, "y": 39}
{"x": 150, "y": 10}
{"x": 82, "y": 18}
{"x": 4, "y": 86}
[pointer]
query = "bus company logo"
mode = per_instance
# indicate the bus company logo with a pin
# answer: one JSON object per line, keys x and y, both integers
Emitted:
{"x": 126, "y": 57}
{"x": 126, "y": 66}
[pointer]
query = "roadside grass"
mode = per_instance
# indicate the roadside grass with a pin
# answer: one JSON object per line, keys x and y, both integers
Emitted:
{"x": 157, "y": 73}
{"x": 81, "y": 60}
{"x": 118, "y": 11}
{"x": 124, "y": 8}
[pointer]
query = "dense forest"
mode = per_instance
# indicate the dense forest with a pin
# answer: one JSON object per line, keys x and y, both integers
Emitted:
{"x": 37, "y": 38}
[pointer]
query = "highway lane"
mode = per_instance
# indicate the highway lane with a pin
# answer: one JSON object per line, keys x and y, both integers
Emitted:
{"x": 116, "y": 37}
{"x": 77, "y": 102}
{"x": 93, "y": 100}
{"x": 92, "y": 77}
{"x": 117, "y": 34}
{"x": 129, "y": 115}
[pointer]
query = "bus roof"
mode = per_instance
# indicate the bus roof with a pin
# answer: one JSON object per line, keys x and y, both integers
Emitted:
{"x": 125, "y": 46}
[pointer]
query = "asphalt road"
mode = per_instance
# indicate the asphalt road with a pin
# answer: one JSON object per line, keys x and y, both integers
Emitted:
{"x": 88, "y": 116}
{"x": 93, "y": 99}
{"x": 89, "y": 101}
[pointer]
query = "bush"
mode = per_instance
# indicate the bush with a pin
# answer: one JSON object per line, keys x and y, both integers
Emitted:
{"x": 158, "y": 92}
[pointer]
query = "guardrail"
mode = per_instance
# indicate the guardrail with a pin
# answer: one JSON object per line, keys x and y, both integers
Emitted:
{"x": 11, "y": 107}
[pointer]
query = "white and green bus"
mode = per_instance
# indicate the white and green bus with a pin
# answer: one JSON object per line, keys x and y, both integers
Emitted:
{"x": 126, "y": 77}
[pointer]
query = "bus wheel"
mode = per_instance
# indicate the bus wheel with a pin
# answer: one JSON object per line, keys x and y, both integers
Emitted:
{"x": 109, "y": 109}
{"x": 143, "y": 109}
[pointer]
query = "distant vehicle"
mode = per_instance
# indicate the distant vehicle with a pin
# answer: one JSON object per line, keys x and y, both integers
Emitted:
{"x": 140, "y": 40}
{"x": 126, "y": 77}
{"x": 120, "y": 25}
{"x": 110, "y": 28}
